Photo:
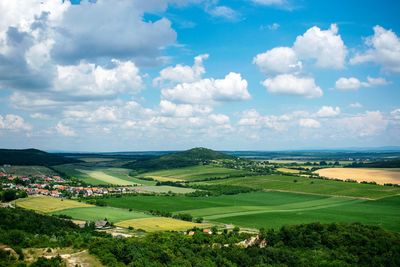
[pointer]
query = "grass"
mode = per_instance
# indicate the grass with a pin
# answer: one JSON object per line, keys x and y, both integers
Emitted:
{"x": 100, "y": 213}
{"x": 165, "y": 189}
{"x": 106, "y": 178}
{"x": 28, "y": 170}
{"x": 160, "y": 224}
{"x": 48, "y": 204}
{"x": 311, "y": 186}
{"x": 384, "y": 213}
{"x": 272, "y": 209}
{"x": 194, "y": 173}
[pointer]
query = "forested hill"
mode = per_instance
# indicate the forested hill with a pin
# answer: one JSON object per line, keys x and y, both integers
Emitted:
{"x": 32, "y": 157}
{"x": 186, "y": 158}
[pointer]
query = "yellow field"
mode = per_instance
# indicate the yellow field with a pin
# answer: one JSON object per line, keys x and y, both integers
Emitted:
{"x": 164, "y": 178}
{"x": 380, "y": 176}
{"x": 160, "y": 224}
{"x": 101, "y": 176}
{"x": 48, "y": 204}
{"x": 287, "y": 170}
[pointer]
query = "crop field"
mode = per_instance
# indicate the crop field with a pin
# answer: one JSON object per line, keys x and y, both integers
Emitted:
{"x": 164, "y": 189}
{"x": 380, "y": 176}
{"x": 287, "y": 170}
{"x": 48, "y": 204}
{"x": 28, "y": 170}
{"x": 106, "y": 178}
{"x": 272, "y": 209}
{"x": 100, "y": 213}
{"x": 311, "y": 186}
{"x": 160, "y": 224}
{"x": 194, "y": 173}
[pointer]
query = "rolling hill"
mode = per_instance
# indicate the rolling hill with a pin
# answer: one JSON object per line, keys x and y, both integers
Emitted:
{"x": 32, "y": 157}
{"x": 186, "y": 158}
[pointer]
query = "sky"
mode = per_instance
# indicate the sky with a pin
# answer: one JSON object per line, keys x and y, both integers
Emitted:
{"x": 174, "y": 74}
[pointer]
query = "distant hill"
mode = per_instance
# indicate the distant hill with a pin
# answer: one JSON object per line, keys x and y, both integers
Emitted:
{"x": 393, "y": 163}
{"x": 32, "y": 157}
{"x": 186, "y": 158}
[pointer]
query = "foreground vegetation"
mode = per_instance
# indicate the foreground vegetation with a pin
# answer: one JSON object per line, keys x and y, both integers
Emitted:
{"x": 302, "y": 245}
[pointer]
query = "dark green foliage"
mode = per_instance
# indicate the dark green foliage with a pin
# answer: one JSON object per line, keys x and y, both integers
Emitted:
{"x": 377, "y": 164}
{"x": 187, "y": 158}
{"x": 303, "y": 245}
{"x": 9, "y": 195}
{"x": 32, "y": 157}
{"x": 217, "y": 190}
{"x": 44, "y": 262}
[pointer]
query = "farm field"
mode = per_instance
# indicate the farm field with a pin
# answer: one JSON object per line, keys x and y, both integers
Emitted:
{"x": 160, "y": 224}
{"x": 380, "y": 176}
{"x": 287, "y": 170}
{"x": 194, "y": 173}
{"x": 311, "y": 186}
{"x": 105, "y": 178}
{"x": 164, "y": 189}
{"x": 49, "y": 204}
{"x": 100, "y": 213}
{"x": 272, "y": 209}
{"x": 27, "y": 170}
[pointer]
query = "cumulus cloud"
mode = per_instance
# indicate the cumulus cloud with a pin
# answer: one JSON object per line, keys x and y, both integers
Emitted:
{"x": 326, "y": 47}
{"x": 291, "y": 84}
{"x": 328, "y": 111}
{"x": 352, "y": 83}
{"x": 278, "y": 60}
{"x": 40, "y": 116}
{"x": 223, "y": 12}
{"x": 370, "y": 123}
{"x": 14, "y": 123}
{"x": 270, "y": 2}
{"x": 64, "y": 130}
{"x": 356, "y": 105}
{"x": 309, "y": 123}
{"x": 88, "y": 79}
{"x": 383, "y": 48}
{"x": 395, "y": 114}
{"x": 231, "y": 88}
{"x": 182, "y": 110}
{"x": 183, "y": 73}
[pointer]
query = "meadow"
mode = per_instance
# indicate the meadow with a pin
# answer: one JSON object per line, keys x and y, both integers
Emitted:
{"x": 159, "y": 224}
{"x": 49, "y": 204}
{"x": 193, "y": 173}
{"x": 380, "y": 176}
{"x": 100, "y": 213}
{"x": 272, "y": 209}
{"x": 311, "y": 186}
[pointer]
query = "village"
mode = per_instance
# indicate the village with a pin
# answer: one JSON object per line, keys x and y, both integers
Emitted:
{"x": 56, "y": 186}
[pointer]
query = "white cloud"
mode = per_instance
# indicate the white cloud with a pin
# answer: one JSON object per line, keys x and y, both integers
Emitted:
{"x": 14, "y": 122}
{"x": 324, "y": 46}
{"x": 309, "y": 123}
{"x": 206, "y": 91}
{"x": 348, "y": 83}
{"x": 274, "y": 26}
{"x": 278, "y": 60}
{"x": 327, "y": 111}
{"x": 88, "y": 79}
{"x": 395, "y": 114}
{"x": 352, "y": 83}
{"x": 222, "y": 12}
{"x": 383, "y": 49}
{"x": 356, "y": 105}
{"x": 219, "y": 118}
{"x": 270, "y": 2}
{"x": 40, "y": 116}
{"x": 183, "y": 73}
{"x": 370, "y": 123}
{"x": 64, "y": 130}
{"x": 290, "y": 84}
{"x": 182, "y": 110}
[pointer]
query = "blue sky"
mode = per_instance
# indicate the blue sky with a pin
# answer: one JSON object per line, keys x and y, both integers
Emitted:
{"x": 174, "y": 74}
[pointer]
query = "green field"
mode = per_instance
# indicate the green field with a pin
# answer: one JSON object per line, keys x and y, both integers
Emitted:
{"x": 160, "y": 224}
{"x": 272, "y": 209}
{"x": 194, "y": 173}
{"x": 49, "y": 204}
{"x": 100, "y": 213}
{"x": 311, "y": 186}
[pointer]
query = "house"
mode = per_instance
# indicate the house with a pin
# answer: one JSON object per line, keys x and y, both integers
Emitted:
{"x": 102, "y": 224}
{"x": 207, "y": 231}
